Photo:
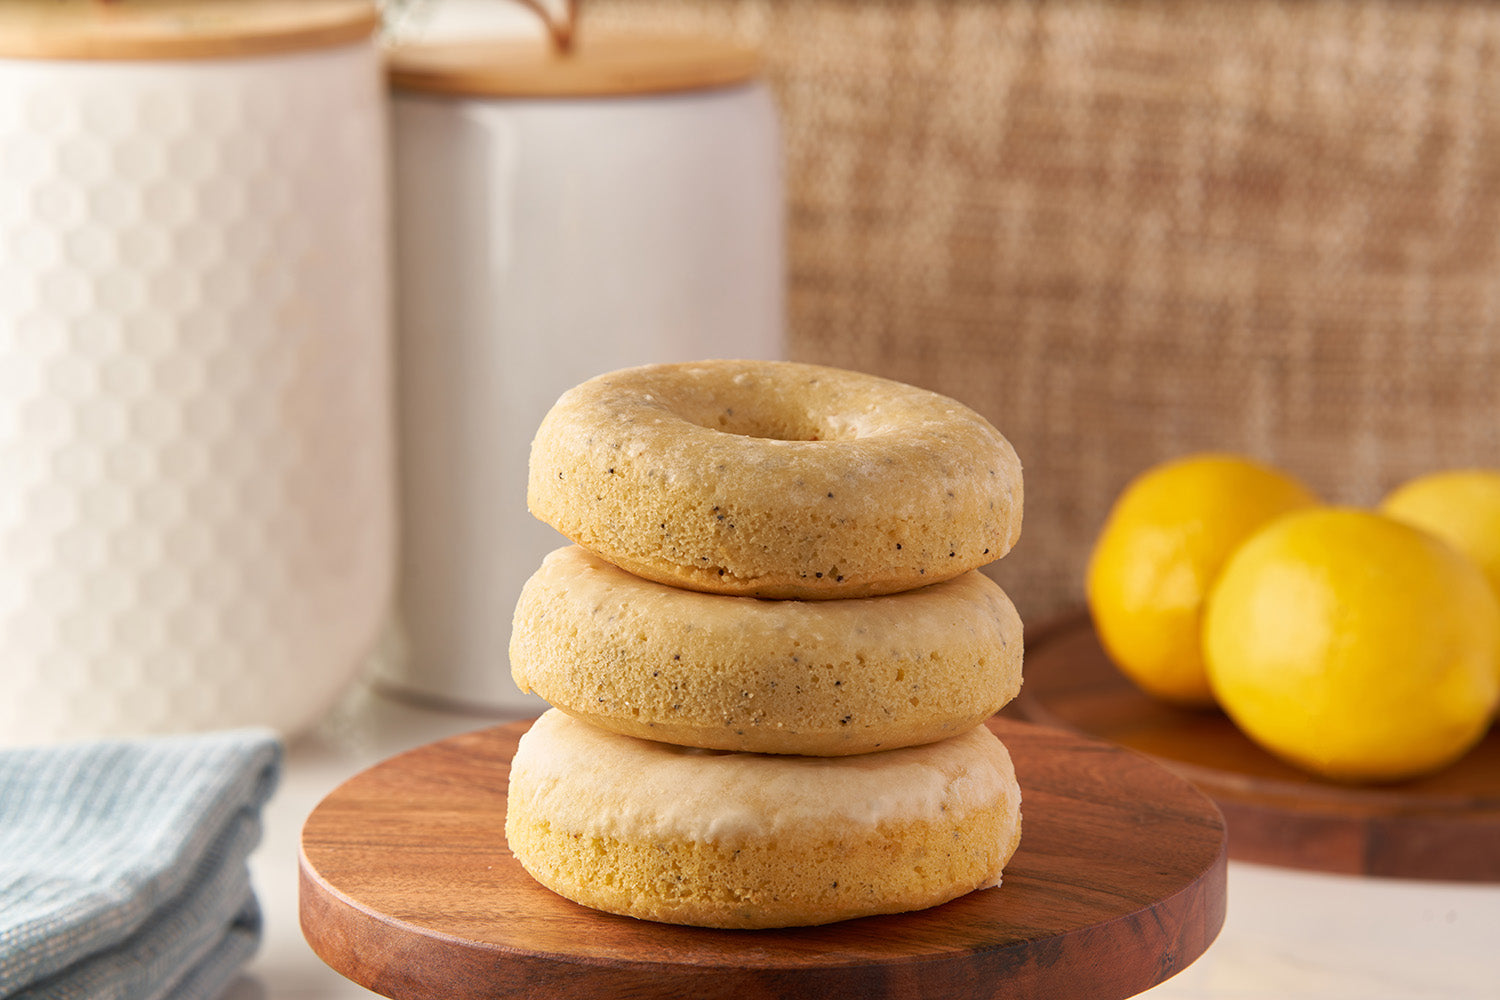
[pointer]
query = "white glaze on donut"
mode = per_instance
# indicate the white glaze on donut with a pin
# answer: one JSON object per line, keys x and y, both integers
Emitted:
{"x": 594, "y": 783}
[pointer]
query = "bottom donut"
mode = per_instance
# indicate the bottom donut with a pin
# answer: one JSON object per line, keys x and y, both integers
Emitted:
{"x": 741, "y": 840}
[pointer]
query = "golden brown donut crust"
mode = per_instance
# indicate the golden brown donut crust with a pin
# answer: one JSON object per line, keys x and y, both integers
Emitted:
{"x": 775, "y": 479}
{"x": 823, "y": 678}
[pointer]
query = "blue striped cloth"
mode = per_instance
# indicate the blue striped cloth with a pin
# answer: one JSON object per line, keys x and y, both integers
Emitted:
{"x": 123, "y": 865}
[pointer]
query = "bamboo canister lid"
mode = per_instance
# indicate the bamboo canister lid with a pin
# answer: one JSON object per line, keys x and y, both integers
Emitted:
{"x": 178, "y": 29}
{"x": 595, "y": 67}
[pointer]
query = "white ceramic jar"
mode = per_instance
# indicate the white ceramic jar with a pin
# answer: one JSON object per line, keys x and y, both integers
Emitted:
{"x": 196, "y": 468}
{"x": 557, "y": 217}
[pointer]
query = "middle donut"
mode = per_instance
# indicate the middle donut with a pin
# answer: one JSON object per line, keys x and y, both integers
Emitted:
{"x": 822, "y": 678}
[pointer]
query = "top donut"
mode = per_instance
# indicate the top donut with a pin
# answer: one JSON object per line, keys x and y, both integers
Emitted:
{"x": 775, "y": 479}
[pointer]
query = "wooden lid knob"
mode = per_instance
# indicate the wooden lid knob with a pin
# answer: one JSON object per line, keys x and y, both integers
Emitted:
{"x": 594, "y": 67}
{"x": 178, "y": 29}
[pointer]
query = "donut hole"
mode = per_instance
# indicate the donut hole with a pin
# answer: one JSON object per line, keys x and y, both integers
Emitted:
{"x": 773, "y": 420}
{"x": 751, "y": 405}
{"x": 773, "y": 424}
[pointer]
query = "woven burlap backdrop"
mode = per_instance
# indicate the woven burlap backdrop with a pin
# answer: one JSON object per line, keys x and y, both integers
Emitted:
{"x": 1125, "y": 231}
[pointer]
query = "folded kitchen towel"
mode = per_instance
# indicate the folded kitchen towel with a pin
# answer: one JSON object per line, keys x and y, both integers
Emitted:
{"x": 123, "y": 865}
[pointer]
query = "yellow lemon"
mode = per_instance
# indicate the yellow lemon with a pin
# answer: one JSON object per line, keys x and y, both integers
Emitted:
{"x": 1462, "y": 507}
{"x": 1354, "y": 646}
{"x": 1162, "y": 545}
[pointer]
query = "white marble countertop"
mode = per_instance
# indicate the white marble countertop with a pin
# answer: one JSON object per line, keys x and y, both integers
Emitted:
{"x": 1291, "y": 935}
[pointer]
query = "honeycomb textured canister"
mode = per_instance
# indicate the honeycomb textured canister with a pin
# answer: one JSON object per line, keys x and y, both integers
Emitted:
{"x": 196, "y": 513}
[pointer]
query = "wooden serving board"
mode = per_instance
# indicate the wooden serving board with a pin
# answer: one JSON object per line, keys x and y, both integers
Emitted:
{"x": 407, "y": 888}
{"x": 1444, "y": 826}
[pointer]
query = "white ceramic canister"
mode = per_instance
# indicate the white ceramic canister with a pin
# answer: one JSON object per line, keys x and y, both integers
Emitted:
{"x": 196, "y": 444}
{"x": 558, "y": 216}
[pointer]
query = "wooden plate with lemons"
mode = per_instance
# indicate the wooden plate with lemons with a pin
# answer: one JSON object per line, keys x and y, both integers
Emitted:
{"x": 1329, "y": 675}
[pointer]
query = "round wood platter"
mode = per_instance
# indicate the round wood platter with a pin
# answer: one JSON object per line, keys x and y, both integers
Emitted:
{"x": 407, "y": 888}
{"x": 1445, "y": 826}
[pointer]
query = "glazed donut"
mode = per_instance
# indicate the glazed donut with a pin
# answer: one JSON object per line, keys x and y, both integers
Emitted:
{"x": 687, "y": 836}
{"x": 824, "y": 678}
{"x": 775, "y": 479}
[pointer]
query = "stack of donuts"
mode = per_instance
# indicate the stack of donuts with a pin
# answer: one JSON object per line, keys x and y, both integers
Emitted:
{"x": 770, "y": 652}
